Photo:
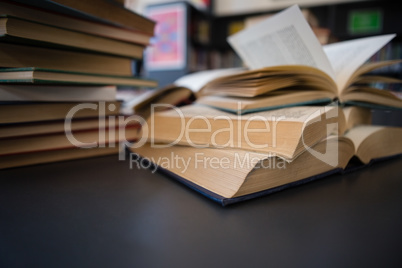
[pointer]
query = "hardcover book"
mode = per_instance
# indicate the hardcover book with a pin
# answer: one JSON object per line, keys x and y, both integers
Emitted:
{"x": 22, "y": 56}
{"x": 97, "y": 10}
{"x": 52, "y": 93}
{"x": 26, "y": 32}
{"x": 287, "y": 66}
{"x": 284, "y": 132}
{"x": 23, "y": 112}
{"x": 40, "y": 15}
{"x": 231, "y": 175}
{"x": 50, "y": 76}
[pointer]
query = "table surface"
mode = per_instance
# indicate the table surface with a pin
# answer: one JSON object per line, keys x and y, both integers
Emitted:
{"x": 100, "y": 213}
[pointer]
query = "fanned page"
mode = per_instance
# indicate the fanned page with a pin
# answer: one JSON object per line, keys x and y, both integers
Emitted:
{"x": 195, "y": 81}
{"x": 358, "y": 134}
{"x": 283, "y": 39}
{"x": 346, "y": 57}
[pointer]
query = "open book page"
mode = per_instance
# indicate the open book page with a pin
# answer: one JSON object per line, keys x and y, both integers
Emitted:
{"x": 346, "y": 57}
{"x": 195, "y": 81}
{"x": 143, "y": 99}
{"x": 299, "y": 114}
{"x": 358, "y": 134}
{"x": 283, "y": 39}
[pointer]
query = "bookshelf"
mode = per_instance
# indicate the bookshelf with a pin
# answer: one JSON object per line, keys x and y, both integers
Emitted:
{"x": 201, "y": 49}
{"x": 239, "y": 7}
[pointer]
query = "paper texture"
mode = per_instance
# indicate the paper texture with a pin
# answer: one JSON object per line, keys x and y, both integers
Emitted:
{"x": 287, "y": 39}
{"x": 283, "y": 39}
{"x": 346, "y": 57}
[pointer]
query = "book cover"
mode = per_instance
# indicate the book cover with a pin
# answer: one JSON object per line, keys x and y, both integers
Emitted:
{"x": 228, "y": 201}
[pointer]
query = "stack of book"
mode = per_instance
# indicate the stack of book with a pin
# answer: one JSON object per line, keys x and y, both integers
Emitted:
{"x": 60, "y": 65}
{"x": 301, "y": 113}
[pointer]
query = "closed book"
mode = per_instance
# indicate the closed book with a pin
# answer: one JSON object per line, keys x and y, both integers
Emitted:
{"x": 98, "y": 10}
{"x": 284, "y": 132}
{"x": 42, "y": 157}
{"x": 55, "y": 19}
{"x": 47, "y": 93}
{"x": 37, "y": 128}
{"x": 22, "y": 112}
{"x": 22, "y": 56}
{"x": 82, "y": 139}
{"x": 48, "y": 76}
{"x": 17, "y": 30}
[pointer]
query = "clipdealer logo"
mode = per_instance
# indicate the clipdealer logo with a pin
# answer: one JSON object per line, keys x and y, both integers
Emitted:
{"x": 111, "y": 130}
{"x": 330, "y": 155}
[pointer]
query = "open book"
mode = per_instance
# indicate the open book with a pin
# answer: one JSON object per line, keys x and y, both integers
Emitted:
{"x": 232, "y": 175}
{"x": 287, "y": 65}
{"x": 170, "y": 95}
{"x": 183, "y": 91}
{"x": 284, "y": 132}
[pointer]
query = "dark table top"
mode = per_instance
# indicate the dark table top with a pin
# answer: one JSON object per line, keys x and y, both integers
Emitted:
{"x": 100, "y": 213}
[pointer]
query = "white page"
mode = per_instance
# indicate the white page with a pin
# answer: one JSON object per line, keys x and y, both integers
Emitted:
{"x": 346, "y": 57}
{"x": 195, "y": 81}
{"x": 283, "y": 39}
